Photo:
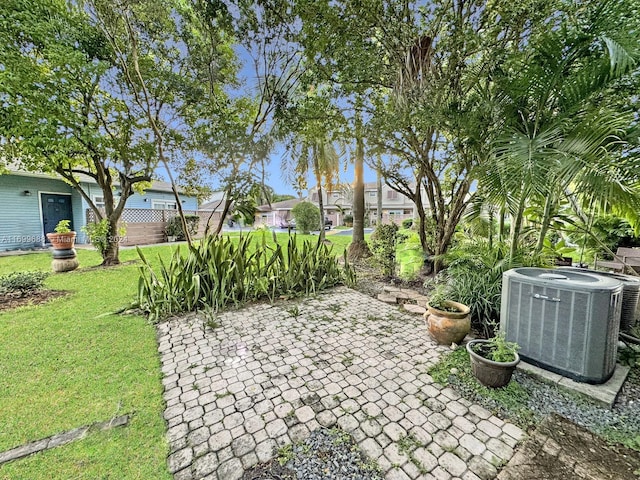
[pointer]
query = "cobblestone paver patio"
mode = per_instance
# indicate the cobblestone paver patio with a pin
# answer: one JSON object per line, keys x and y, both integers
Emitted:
{"x": 270, "y": 374}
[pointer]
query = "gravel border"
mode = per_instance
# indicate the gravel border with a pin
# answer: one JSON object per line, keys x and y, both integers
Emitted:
{"x": 324, "y": 455}
{"x": 545, "y": 399}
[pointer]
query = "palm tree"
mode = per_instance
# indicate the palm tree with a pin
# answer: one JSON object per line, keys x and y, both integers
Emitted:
{"x": 559, "y": 137}
{"x": 319, "y": 155}
{"x": 358, "y": 247}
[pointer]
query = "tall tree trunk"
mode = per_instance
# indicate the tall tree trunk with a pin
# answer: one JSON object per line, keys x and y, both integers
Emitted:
{"x": 111, "y": 255}
{"x": 113, "y": 212}
{"x": 316, "y": 168}
{"x": 501, "y": 224}
{"x": 358, "y": 247}
{"x": 225, "y": 211}
{"x": 379, "y": 192}
{"x": 491, "y": 213}
{"x": 440, "y": 245}
{"x": 546, "y": 221}
{"x": 516, "y": 226}
{"x": 422, "y": 217}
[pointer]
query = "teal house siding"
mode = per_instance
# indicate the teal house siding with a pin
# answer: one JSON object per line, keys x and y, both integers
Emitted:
{"x": 20, "y": 216}
{"x": 146, "y": 201}
{"x": 21, "y": 224}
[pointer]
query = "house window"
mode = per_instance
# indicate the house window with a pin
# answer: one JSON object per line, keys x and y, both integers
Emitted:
{"x": 395, "y": 212}
{"x": 392, "y": 195}
{"x": 335, "y": 195}
{"x": 314, "y": 197}
{"x": 372, "y": 194}
{"x": 98, "y": 201}
{"x": 164, "y": 205}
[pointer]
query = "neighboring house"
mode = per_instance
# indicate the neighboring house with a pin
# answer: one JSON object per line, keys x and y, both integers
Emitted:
{"x": 213, "y": 208}
{"x": 33, "y": 204}
{"x": 277, "y": 214}
{"x": 339, "y": 200}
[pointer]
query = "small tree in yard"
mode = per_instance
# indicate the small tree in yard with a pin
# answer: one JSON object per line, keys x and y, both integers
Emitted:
{"x": 65, "y": 111}
{"x": 306, "y": 216}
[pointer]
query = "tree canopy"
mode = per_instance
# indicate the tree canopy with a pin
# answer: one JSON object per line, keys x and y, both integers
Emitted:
{"x": 462, "y": 106}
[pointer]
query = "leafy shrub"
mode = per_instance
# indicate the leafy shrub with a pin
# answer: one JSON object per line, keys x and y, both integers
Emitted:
{"x": 607, "y": 231}
{"x": 216, "y": 273}
{"x": 383, "y": 246}
{"x": 407, "y": 223}
{"x": 629, "y": 355}
{"x": 307, "y": 216}
{"x": 348, "y": 220}
{"x": 474, "y": 277}
{"x": 22, "y": 283}
{"x": 174, "y": 226}
{"x": 99, "y": 234}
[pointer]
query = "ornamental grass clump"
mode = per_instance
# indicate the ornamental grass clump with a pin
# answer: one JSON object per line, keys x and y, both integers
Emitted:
{"x": 217, "y": 273}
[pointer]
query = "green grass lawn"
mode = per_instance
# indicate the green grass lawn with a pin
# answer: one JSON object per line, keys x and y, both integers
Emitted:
{"x": 69, "y": 362}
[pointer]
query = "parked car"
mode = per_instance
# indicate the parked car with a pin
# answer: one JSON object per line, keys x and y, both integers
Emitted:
{"x": 292, "y": 224}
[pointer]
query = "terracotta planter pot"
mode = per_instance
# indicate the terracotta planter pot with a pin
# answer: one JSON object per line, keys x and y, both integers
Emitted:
{"x": 62, "y": 241}
{"x": 489, "y": 373}
{"x": 448, "y": 327}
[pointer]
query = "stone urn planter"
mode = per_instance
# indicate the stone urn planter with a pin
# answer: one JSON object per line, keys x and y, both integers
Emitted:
{"x": 448, "y": 322}
{"x": 493, "y": 373}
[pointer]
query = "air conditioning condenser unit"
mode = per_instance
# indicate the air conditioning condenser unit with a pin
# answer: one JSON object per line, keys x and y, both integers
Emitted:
{"x": 565, "y": 322}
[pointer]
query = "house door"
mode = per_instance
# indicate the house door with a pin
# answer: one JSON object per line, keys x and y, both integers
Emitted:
{"x": 55, "y": 208}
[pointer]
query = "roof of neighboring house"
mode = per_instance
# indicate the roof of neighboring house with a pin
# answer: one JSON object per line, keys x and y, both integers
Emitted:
{"x": 214, "y": 202}
{"x": 214, "y": 205}
{"x": 156, "y": 185}
{"x": 284, "y": 205}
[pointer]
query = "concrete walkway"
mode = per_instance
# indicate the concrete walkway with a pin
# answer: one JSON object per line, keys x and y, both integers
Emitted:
{"x": 268, "y": 375}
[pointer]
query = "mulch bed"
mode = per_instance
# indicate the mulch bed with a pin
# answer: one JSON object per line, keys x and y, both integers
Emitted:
{"x": 9, "y": 302}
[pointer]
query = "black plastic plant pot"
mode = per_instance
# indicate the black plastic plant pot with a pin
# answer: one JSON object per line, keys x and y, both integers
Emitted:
{"x": 62, "y": 254}
{"x": 489, "y": 373}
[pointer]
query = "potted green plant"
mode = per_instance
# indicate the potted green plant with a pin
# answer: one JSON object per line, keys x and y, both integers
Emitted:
{"x": 493, "y": 361}
{"x": 448, "y": 321}
{"x": 173, "y": 229}
{"x": 63, "y": 237}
